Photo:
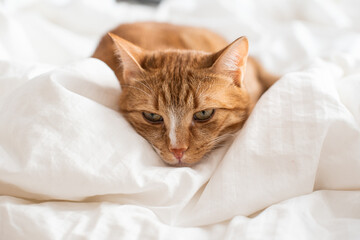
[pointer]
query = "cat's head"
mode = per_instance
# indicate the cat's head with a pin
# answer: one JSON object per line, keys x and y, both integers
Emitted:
{"x": 184, "y": 103}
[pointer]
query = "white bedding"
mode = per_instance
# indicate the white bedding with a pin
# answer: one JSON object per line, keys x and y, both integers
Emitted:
{"x": 72, "y": 168}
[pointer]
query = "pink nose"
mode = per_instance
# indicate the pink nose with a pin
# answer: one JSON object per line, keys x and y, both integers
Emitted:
{"x": 178, "y": 152}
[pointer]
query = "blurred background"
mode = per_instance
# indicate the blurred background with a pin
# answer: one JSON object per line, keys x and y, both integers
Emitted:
{"x": 284, "y": 35}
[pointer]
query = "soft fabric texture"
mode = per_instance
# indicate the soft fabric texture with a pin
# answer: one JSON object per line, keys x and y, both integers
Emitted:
{"x": 72, "y": 167}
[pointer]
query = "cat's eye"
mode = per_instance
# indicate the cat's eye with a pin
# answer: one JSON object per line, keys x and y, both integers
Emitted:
{"x": 204, "y": 115}
{"x": 152, "y": 117}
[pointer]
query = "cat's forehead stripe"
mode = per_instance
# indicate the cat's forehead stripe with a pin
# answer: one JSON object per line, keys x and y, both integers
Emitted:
{"x": 173, "y": 124}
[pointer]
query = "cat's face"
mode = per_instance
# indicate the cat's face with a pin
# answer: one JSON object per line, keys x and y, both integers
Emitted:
{"x": 184, "y": 103}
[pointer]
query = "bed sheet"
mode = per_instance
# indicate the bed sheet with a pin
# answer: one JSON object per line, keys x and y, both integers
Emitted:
{"x": 72, "y": 167}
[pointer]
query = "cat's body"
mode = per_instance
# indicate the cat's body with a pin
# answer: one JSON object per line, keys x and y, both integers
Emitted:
{"x": 183, "y": 88}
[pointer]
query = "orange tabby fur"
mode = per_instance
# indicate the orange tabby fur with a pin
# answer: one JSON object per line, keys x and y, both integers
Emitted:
{"x": 176, "y": 71}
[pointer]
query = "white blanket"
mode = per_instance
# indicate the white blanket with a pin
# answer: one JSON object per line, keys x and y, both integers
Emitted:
{"x": 71, "y": 167}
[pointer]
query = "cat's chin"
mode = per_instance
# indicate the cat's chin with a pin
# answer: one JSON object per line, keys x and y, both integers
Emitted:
{"x": 181, "y": 163}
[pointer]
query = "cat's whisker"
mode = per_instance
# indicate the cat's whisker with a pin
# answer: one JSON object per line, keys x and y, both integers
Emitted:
{"x": 156, "y": 149}
{"x": 220, "y": 139}
{"x": 145, "y": 85}
{"x": 124, "y": 85}
{"x": 174, "y": 83}
{"x": 218, "y": 84}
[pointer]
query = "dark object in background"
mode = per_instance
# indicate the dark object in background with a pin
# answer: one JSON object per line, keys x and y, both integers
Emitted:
{"x": 147, "y": 2}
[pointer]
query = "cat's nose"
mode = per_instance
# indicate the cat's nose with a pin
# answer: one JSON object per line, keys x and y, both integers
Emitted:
{"x": 178, "y": 152}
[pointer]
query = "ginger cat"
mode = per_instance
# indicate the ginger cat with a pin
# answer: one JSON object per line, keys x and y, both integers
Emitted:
{"x": 184, "y": 89}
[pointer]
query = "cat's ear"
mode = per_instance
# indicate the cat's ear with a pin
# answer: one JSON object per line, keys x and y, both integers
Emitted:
{"x": 232, "y": 59}
{"x": 130, "y": 56}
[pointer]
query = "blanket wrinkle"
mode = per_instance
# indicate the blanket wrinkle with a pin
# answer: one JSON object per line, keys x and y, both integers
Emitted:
{"x": 72, "y": 167}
